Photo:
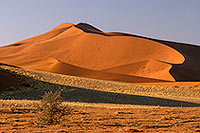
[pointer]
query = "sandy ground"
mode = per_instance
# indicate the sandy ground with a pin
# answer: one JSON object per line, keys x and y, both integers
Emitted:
{"x": 101, "y": 106}
{"x": 179, "y": 84}
{"x": 78, "y": 89}
{"x": 106, "y": 120}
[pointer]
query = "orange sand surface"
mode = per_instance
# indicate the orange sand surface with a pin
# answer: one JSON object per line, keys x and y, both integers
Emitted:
{"x": 106, "y": 120}
{"x": 67, "y": 49}
{"x": 180, "y": 84}
{"x": 85, "y": 51}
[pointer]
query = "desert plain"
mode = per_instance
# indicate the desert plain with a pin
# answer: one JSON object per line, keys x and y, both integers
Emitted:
{"x": 113, "y": 82}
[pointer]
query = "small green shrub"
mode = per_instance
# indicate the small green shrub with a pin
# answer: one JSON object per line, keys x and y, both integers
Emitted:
{"x": 52, "y": 109}
{"x": 196, "y": 85}
{"x": 176, "y": 86}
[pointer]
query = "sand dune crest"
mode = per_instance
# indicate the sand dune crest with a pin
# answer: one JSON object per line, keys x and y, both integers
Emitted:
{"x": 83, "y": 50}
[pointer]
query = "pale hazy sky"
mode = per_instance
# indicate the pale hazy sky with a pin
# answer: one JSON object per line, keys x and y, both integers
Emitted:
{"x": 177, "y": 20}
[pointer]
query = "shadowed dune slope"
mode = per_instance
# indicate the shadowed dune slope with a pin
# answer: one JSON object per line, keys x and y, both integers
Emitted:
{"x": 8, "y": 80}
{"x": 189, "y": 70}
{"x": 83, "y": 50}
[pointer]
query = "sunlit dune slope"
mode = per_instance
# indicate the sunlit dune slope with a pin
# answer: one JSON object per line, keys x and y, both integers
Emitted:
{"x": 149, "y": 68}
{"x": 56, "y": 66}
{"x": 187, "y": 71}
{"x": 190, "y": 69}
{"x": 46, "y": 36}
{"x": 83, "y": 50}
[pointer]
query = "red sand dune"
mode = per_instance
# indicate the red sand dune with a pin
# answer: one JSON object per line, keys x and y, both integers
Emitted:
{"x": 83, "y": 50}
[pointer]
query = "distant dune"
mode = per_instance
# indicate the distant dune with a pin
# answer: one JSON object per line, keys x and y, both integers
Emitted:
{"x": 85, "y": 51}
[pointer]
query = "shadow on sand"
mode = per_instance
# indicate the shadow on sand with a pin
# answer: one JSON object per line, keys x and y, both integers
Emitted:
{"x": 94, "y": 96}
{"x": 34, "y": 89}
{"x": 75, "y": 94}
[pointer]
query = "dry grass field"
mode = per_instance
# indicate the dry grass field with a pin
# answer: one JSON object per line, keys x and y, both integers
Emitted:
{"x": 78, "y": 89}
{"x": 20, "y": 116}
{"x": 98, "y": 105}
